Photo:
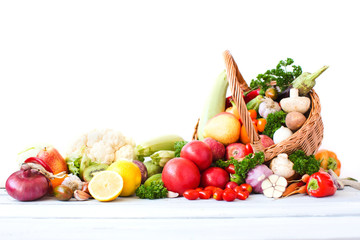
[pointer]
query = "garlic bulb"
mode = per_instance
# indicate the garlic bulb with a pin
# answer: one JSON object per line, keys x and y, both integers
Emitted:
{"x": 268, "y": 106}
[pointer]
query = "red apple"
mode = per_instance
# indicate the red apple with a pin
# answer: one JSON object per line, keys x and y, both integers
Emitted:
{"x": 180, "y": 174}
{"x": 214, "y": 176}
{"x": 217, "y": 148}
{"x": 266, "y": 141}
{"x": 198, "y": 152}
{"x": 53, "y": 158}
{"x": 236, "y": 150}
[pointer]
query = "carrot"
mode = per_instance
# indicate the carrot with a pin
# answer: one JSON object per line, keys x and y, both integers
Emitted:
{"x": 305, "y": 178}
{"x": 301, "y": 189}
{"x": 294, "y": 188}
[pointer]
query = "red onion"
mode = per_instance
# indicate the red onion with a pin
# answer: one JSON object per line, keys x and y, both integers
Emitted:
{"x": 27, "y": 185}
{"x": 143, "y": 170}
{"x": 256, "y": 176}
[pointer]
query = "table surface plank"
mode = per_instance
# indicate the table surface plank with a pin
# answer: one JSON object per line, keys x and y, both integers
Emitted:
{"x": 296, "y": 217}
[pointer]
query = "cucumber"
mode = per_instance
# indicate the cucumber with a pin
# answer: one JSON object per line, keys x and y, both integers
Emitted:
{"x": 214, "y": 104}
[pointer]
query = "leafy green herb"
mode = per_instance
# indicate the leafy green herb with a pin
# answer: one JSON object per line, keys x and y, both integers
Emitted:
{"x": 154, "y": 191}
{"x": 304, "y": 164}
{"x": 178, "y": 146}
{"x": 280, "y": 74}
{"x": 244, "y": 166}
{"x": 274, "y": 121}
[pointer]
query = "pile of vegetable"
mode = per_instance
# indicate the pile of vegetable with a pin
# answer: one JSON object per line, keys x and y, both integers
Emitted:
{"x": 106, "y": 165}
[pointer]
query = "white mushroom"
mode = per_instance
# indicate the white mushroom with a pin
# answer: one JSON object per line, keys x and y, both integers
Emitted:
{"x": 294, "y": 103}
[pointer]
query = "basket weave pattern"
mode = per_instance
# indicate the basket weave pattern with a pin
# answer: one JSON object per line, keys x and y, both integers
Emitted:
{"x": 308, "y": 137}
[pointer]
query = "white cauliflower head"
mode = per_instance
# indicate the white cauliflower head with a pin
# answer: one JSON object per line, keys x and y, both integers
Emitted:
{"x": 105, "y": 146}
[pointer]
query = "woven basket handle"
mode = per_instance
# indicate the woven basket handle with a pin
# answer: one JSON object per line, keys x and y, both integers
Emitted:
{"x": 238, "y": 86}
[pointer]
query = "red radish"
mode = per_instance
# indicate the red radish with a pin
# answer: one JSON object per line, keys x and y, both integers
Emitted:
{"x": 198, "y": 152}
{"x": 27, "y": 185}
{"x": 180, "y": 174}
{"x": 215, "y": 176}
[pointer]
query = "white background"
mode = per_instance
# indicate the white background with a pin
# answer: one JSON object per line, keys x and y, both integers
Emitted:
{"x": 146, "y": 67}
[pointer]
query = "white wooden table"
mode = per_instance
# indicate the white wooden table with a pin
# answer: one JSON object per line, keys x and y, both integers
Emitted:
{"x": 296, "y": 217}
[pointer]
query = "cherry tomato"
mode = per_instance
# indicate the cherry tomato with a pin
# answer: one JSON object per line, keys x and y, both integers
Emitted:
{"x": 246, "y": 187}
{"x": 230, "y": 169}
{"x": 211, "y": 189}
{"x": 249, "y": 149}
{"x": 231, "y": 185}
{"x": 253, "y": 113}
{"x": 242, "y": 195}
{"x": 191, "y": 194}
{"x": 255, "y": 121}
{"x": 218, "y": 194}
{"x": 244, "y": 138}
{"x": 198, "y": 189}
{"x": 261, "y": 124}
{"x": 271, "y": 93}
{"x": 229, "y": 195}
{"x": 205, "y": 194}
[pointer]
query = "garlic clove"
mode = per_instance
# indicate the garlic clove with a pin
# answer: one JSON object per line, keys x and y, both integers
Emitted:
{"x": 274, "y": 186}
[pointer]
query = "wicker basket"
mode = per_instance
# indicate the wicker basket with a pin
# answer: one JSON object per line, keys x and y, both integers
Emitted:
{"x": 308, "y": 137}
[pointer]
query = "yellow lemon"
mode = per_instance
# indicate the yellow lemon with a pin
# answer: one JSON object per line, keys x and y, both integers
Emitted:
{"x": 106, "y": 186}
{"x": 130, "y": 173}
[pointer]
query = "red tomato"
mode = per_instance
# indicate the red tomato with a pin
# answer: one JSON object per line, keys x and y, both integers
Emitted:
{"x": 255, "y": 121}
{"x": 210, "y": 188}
{"x": 249, "y": 149}
{"x": 231, "y": 185}
{"x": 230, "y": 169}
{"x": 242, "y": 195}
{"x": 198, "y": 152}
{"x": 246, "y": 187}
{"x": 253, "y": 113}
{"x": 198, "y": 189}
{"x": 229, "y": 195}
{"x": 191, "y": 194}
{"x": 205, "y": 194}
{"x": 214, "y": 176}
{"x": 238, "y": 189}
{"x": 180, "y": 174}
{"x": 218, "y": 194}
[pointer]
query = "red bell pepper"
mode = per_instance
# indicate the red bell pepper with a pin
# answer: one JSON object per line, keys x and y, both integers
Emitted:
{"x": 251, "y": 95}
{"x": 40, "y": 162}
{"x": 320, "y": 184}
